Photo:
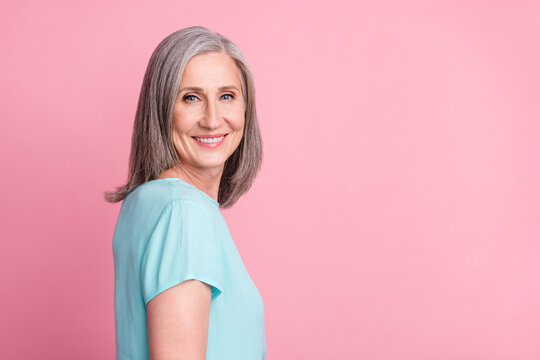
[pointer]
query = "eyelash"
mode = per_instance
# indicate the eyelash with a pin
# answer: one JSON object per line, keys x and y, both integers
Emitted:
{"x": 188, "y": 96}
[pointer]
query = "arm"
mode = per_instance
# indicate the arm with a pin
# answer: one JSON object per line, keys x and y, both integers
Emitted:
{"x": 178, "y": 322}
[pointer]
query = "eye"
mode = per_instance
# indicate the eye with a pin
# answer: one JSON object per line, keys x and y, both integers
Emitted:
{"x": 189, "y": 96}
{"x": 231, "y": 95}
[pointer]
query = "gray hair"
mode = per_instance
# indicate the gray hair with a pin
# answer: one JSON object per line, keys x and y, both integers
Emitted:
{"x": 152, "y": 149}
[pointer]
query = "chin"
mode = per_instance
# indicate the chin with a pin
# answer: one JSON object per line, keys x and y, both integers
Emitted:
{"x": 212, "y": 164}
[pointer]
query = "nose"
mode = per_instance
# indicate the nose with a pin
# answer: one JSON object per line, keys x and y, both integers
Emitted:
{"x": 211, "y": 118}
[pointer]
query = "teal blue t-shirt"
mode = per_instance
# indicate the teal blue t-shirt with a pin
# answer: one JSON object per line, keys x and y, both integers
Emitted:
{"x": 169, "y": 231}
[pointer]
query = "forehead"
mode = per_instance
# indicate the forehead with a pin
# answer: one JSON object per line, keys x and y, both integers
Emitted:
{"x": 213, "y": 69}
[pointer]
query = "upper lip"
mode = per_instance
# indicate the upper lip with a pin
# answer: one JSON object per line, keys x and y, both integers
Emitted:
{"x": 209, "y": 136}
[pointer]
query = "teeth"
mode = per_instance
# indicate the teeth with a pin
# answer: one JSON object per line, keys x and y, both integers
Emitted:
{"x": 209, "y": 141}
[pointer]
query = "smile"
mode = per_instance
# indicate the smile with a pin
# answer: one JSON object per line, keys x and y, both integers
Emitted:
{"x": 210, "y": 141}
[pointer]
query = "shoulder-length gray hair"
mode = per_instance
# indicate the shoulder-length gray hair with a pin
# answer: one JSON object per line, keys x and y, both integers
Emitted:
{"x": 152, "y": 149}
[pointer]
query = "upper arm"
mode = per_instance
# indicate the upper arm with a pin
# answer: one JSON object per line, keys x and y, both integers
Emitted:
{"x": 181, "y": 273}
{"x": 178, "y": 321}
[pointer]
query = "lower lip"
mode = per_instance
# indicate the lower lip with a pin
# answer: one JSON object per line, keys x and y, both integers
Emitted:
{"x": 210, "y": 145}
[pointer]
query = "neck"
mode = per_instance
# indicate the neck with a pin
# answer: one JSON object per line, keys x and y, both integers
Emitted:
{"x": 207, "y": 181}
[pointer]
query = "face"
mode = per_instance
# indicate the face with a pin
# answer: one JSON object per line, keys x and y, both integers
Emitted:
{"x": 208, "y": 119}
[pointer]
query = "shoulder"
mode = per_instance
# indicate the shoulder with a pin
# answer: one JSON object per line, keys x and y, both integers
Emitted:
{"x": 160, "y": 194}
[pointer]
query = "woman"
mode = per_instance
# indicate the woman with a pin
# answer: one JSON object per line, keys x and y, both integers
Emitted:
{"x": 181, "y": 288}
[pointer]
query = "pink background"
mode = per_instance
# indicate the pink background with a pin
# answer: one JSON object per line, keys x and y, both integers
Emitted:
{"x": 397, "y": 212}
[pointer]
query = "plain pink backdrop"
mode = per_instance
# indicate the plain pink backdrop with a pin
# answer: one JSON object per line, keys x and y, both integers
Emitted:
{"x": 397, "y": 212}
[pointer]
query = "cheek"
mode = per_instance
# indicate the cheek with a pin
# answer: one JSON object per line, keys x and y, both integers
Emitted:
{"x": 238, "y": 119}
{"x": 182, "y": 122}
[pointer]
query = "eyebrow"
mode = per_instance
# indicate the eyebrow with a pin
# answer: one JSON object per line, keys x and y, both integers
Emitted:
{"x": 223, "y": 88}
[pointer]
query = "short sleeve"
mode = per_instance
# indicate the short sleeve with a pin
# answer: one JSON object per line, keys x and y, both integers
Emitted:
{"x": 183, "y": 246}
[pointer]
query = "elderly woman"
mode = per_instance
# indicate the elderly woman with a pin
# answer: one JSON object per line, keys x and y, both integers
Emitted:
{"x": 181, "y": 288}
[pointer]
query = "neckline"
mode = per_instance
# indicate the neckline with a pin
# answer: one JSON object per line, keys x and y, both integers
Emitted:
{"x": 188, "y": 184}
